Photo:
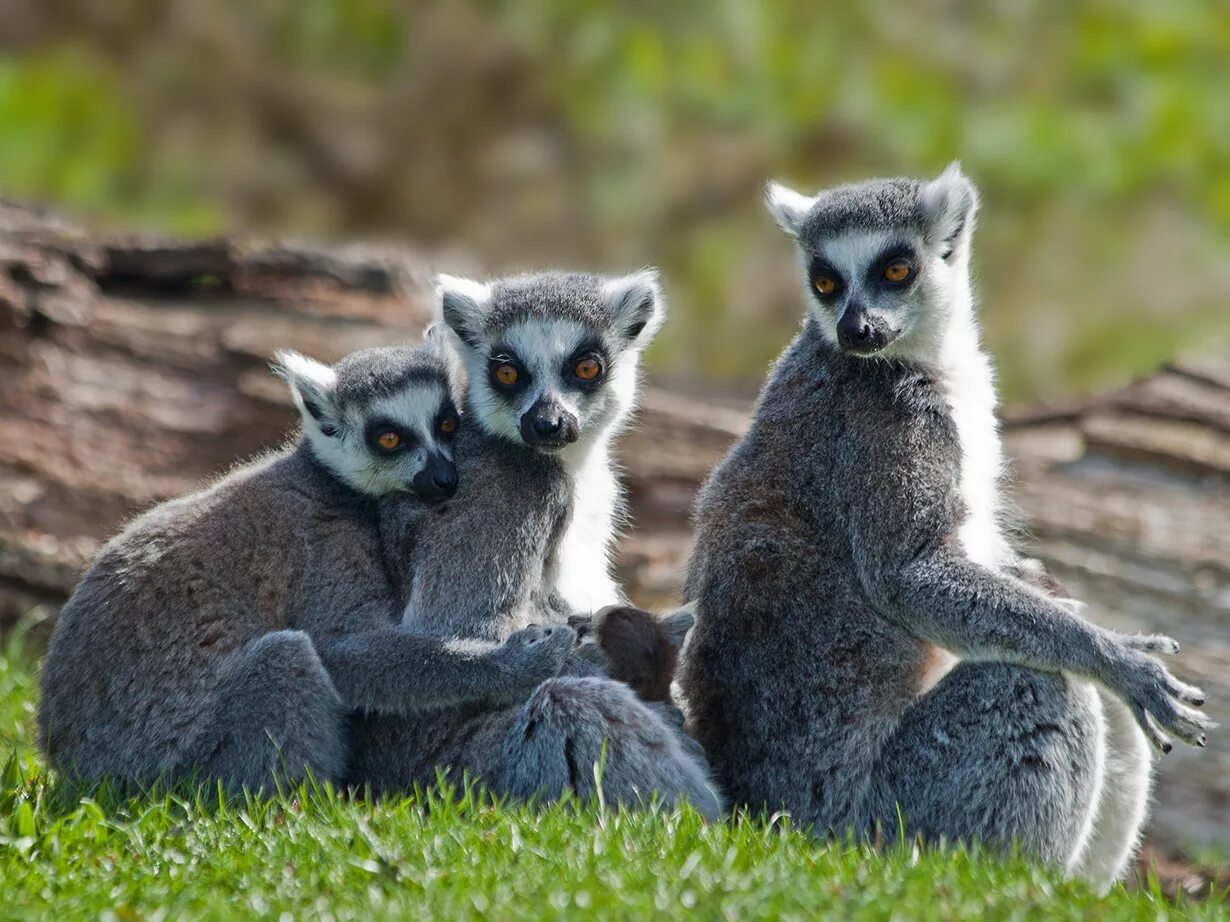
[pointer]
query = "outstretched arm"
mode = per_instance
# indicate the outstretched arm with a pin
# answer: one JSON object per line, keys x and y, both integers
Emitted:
{"x": 915, "y": 571}
{"x": 397, "y": 670}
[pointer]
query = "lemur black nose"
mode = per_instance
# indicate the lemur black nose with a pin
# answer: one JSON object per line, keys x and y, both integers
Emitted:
{"x": 437, "y": 479}
{"x": 862, "y": 333}
{"x": 548, "y": 425}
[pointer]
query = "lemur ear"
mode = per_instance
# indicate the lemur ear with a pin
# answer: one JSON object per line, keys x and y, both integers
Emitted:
{"x": 312, "y": 386}
{"x": 789, "y": 208}
{"x": 436, "y": 339}
{"x": 678, "y": 623}
{"x": 463, "y": 305}
{"x": 440, "y": 341}
{"x": 635, "y": 304}
{"x": 949, "y": 204}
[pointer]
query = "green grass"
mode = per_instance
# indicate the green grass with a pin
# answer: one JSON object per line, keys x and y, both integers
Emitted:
{"x": 316, "y": 853}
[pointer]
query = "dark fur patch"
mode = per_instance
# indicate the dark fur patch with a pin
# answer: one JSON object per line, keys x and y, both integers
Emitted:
{"x": 638, "y": 651}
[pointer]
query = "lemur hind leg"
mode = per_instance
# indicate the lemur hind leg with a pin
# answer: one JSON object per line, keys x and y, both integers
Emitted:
{"x": 274, "y": 715}
{"x": 571, "y": 725}
{"x": 998, "y": 755}
{"x": 1124, "y": 805}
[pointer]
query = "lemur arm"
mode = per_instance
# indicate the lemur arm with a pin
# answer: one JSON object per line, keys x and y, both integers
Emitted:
{"x": 392, "y": 669}
{"x": 905, "y": 548}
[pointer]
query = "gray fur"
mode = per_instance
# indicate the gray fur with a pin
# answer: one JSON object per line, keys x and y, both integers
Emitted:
{"x": 834, "y": 573}
{"x": 225, "y": 634}
{"x": 493, "y": 559}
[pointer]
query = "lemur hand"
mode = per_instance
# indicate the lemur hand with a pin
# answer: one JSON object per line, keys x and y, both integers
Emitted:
{"x": 1156, "y": 698}
{"x": 534, "y": 654}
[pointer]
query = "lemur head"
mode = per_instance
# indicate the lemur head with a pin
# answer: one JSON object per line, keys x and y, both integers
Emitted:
{"x": 551, "y": 359}
{"x": 886, "y": 261}
{"x": 381, "y": 420}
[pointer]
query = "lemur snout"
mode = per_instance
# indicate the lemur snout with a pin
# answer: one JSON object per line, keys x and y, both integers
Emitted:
{"x": 862, "y": 332}
{"x": 437, "y": 479}
{"x": 548, "y": 425}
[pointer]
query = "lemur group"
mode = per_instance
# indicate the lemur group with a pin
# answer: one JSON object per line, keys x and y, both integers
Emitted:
{"x": 421, "y": 583}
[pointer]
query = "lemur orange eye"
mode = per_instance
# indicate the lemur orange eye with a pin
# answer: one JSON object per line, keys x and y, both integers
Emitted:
{"x": 388, "y": 440}
{"x": 588, "y": 368}
{"x": 897, "y": 272}
{"x": 825, "y": 284}
{"x": 507, "y": 374}
{"x": 448, "y": 425}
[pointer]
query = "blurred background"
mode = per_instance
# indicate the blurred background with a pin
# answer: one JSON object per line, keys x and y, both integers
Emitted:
{"x": 520, "y": 134}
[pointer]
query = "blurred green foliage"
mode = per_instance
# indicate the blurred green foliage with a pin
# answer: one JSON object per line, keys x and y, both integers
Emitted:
{"x": 561, "y": 131}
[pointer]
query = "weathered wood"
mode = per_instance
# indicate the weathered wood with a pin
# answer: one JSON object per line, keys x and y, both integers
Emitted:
{"x": 132, "y": 370}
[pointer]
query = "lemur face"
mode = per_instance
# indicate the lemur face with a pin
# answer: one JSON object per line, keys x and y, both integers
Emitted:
{"x": 551, "y": 359}
{"x": 884, "y": 260}
{"x": 381, "y": 420}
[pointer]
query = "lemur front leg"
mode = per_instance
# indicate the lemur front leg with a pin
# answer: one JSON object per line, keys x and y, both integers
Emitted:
{"x": 395, "y": 669}
{"x": 978, "y": 614}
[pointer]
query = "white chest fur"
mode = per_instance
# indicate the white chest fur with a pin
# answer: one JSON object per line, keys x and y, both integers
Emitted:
{"x": 970, "y": 391}
{"x": 581, "y": 570}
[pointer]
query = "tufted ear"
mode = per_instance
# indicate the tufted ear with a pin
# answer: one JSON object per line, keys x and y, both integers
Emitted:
{"x": 313, "y": 386}
{"x": 949, "y": 204}
{"x": 464, "y": 304}
{"x": 440, "y": 341}
{"x": 789, "y": 208}
{"x": 436, "y": 339}
{"x": 636, "y": 305}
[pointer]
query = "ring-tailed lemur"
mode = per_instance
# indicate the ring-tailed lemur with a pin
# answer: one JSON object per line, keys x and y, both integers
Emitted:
{"x": 227, "y": 633}
{"x": 551, "y": 362}
{"x": 851, "y": 545}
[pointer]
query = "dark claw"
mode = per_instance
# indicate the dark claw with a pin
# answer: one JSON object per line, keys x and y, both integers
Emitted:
{"x": 1166, "y": 747}
{"x": 1200, "y": 740}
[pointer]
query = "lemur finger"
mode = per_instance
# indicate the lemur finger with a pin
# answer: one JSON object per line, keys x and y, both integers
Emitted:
{"x": 1156, "y": 738}
{"x": 1150, "y": 643}
{"x": 1188, "y": 725}
{"x": 1188, "y": 694}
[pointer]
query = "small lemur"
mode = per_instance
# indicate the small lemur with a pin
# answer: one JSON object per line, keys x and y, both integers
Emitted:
{"x": 852, "y": 545}
{"x": 551, "y": 362}
{"x": 227, "y": 634}
{"x": 636, "y": 647}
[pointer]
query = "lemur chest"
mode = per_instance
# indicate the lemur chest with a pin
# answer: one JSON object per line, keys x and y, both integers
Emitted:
{"x": 579, "y": 566}
{"x": 970, "y": 395}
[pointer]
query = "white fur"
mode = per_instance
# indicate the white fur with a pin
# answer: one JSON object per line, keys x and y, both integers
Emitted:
{"x": 582, "y": 568}
{"x": 1119, "y": 818}
{"x": 463, "y": 302}
{"x": 789, "y": 208}
{"x": 626, "y": 295}
{"x": 970, "y": 390}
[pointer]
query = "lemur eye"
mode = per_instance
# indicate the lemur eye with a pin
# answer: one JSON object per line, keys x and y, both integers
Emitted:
{"x": 825, "y": 284}
{"x": 507, "y": 374}
{"x": 388, "y": 440}
{"x": 897, "y": 271}
{"x": 588, "y": 368}
{"x": 448, "y": 425}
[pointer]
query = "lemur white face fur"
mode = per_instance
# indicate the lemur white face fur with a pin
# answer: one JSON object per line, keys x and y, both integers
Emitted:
{"x": 380, "y": 420}
{"x": 886, "y": 262}
{"x": 551, "y": 358}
